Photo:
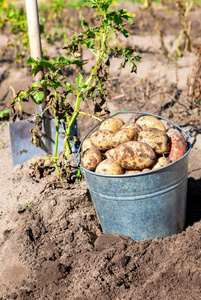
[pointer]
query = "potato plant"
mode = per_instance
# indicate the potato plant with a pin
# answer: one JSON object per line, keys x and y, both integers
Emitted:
{"x": 15, "y": 18}
{"x": 183, "y": 9}
{"x": 54, "y": 14}
{"x": 108, "y": 23}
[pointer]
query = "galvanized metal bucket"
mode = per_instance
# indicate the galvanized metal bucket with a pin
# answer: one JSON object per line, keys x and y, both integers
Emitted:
{"x": 145, "y": 205}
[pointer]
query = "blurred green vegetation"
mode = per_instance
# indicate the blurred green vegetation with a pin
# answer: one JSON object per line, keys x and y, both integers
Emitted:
{"x": 57, "y": 20}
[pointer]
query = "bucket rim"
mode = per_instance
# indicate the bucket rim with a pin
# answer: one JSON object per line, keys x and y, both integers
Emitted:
{"x": 186, "y": 133}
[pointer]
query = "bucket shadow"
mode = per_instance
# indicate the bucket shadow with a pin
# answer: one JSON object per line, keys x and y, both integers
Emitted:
{"x": 193, "y": 212}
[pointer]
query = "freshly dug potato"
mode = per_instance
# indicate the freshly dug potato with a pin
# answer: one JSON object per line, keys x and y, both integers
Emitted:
{"x": 134, "y": 126}
{"x": 134, "y": 155}
{"x": 109, "y": 153}
{"x": 87, "y": 144}
{"x": 171, "y": 132}
{"x": 109, "y": 166}
{"x": 112, "y": 124}
{"x": 178, "y": 145}
{"x": 150, "y": 122}
{"x": 146, "y": 170}
{"x": 132, "y": 172}
{"x": 161, "y": 162}
{"x": 124, "y": 135}
{"x": 91, "y": 158}
{"x": 102, "y": 139}
{"x": 156, "y": 139}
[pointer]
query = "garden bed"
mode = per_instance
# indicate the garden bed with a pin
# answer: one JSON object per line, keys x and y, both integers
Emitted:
{"x": 51, "y": 242}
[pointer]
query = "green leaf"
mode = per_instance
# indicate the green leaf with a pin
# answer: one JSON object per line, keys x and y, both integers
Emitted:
{"x": 4, "y": 112}
{"x": 125, "y": 32}
{"x": 123, "y": 11}
{"x": 43, "y": 82}
{"x": 67, "y": 84}
{"x": 61, "y": 60}
{"x": 79, "y": 174}
{"x": 105, "y": 4}
{"x": 90, "y": 34}
{"x": 37, "y": 96}
{"x": 46, "y": 64}
{"x": 90, "y": 44}
{"x": 128, "y": 52}
{"x": 118, "y": 20}
{"x": 35, "y": 84}
{"x": 35, "y": 69}
{"x": 137, "y": 58}
{"x": 129, "y": 19}
{"x": 79, "y": 78}
{"x": 84, "y": 24}
{"x": 96, "y": 30}
{"x": 133, "y": 67}
{"x": 22, "y": 94}
{"x": 30, "y": 61}
{"x": 19, "y": 106}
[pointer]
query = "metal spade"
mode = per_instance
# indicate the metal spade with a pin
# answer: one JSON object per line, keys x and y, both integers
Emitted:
{"x": 20, "y": 138}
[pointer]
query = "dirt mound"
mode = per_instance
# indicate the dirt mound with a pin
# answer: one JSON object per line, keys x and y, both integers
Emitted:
{"x": 55, "y": 250}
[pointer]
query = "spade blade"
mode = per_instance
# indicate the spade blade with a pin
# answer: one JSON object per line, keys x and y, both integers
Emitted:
{"x": 20, "y": 141}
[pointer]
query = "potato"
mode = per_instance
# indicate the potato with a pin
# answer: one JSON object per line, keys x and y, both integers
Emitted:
{"x": 161, "y": 162}
{"x": 91, "y": 158}
{"x": 134, "y": 126}
{"x": 156, "y": 139}
{"x": 178, "y": 145}
{"x": 109, "y": 166}
{"x": 124, "y": 135}
{"x": 87, "y": 144}
{"x": 134, "y": 155}
{"x": 171, "y": 132}
{"x": 102, "y": 139}
{"x": 132, "y": 172}
{"x": 112, "y": 124}
{"x": 146, "y": 170}
{"x": 109, "y": 153}
{"x": 150, "y": 122}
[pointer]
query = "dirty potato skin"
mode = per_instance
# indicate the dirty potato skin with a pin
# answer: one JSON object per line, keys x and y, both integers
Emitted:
{"x": 146, "y": 170}
{"x": 109, "y": 153}
{"x": 128, "y": 172}
{"x": 102, "y": 139}
{"x": 135, "y": 155}
{"x": 109, "y": 166}
{"x": 87, "y": 144}
{"x": 112, "y": 124}
{"x": 91, "y": 158}
{"x": 150, "y": 122}
{"x": 161, "y": 162}
{"x": 178, "y": 145}
{"x": 124, "y": 135}
{"x": 158, "y": 140}
{"x": 134, "y": 126}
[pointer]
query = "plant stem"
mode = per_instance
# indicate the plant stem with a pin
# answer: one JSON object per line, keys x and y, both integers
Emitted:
{"x": 56, "y": 142}
{"x": 79, "y": 98}
{"x": 102, "y": 48}
{"x": 89, "y": 115}
{"x": 56, "y": 138}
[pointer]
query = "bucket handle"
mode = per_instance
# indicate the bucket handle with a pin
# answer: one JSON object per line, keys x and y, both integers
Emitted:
{"x": 185, "y": 133}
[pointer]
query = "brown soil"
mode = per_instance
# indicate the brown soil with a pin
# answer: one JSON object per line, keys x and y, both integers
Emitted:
{"x": 51, "y": 242}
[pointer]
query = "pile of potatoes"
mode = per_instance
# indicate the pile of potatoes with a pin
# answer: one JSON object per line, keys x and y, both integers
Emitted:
{"x": 119, "y": 148}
